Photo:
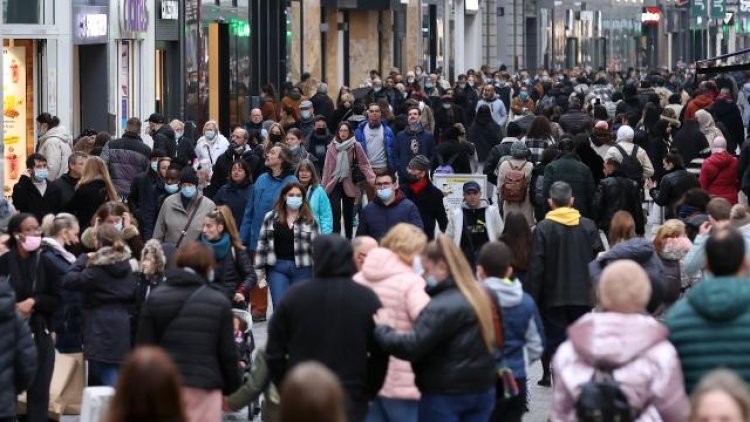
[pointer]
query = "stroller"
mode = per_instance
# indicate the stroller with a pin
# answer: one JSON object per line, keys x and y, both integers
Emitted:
{"x": 245, "y": 342}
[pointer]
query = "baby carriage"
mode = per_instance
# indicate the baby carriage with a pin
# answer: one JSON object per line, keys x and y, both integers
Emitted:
{"x": 245, "y": 342}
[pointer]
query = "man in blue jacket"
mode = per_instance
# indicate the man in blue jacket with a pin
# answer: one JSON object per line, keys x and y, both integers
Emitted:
{"x": 262, "y": 197}
{"x": 377, "y": 140}
{"x": 389, "y": 208}
{"x": 412, "y": 141}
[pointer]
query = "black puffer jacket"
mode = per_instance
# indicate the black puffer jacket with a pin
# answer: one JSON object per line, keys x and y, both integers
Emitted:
{"x": 128, "y": 157}
{"x": 164, "y": 140}
{"x": 18, "y": 358}
{"x": 197, "y": 335}
{"x": 673, "y": 186}
{"x": 108, "y": 283}
{"x": 576, "y": 121}
{"x": 445, "y": 347}
{"x": 618, "y": 193}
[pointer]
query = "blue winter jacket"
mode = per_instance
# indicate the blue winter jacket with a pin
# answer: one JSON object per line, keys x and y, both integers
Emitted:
{"x": 377, "y": 218}
{"x": 321, "y": 208}
{"x": 234, "y": 195}
{"x": 262, "y": 197}
{"x": 390, "y": 141}
{"x": 403, "y": 152}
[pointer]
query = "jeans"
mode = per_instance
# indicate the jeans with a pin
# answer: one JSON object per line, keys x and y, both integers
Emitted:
{"x": 340, "y": 202}
{"x": 457, "y": 407}
{"x": 383, "y": 409}
{"x": 103, "y": 373}
{"x": 283, "y": 275}
{"x": 37, "y": 395}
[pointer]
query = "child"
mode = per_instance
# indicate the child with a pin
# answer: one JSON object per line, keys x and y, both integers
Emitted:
{"x": 522, "y": 325}
{"x": 243, "y": 338}
{"x": 258, "y": 381}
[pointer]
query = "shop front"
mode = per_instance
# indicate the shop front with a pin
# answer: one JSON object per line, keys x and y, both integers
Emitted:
{"x": 90, "y": 31}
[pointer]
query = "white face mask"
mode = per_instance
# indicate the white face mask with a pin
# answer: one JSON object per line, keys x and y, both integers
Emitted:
{"x": 416, "y": 265}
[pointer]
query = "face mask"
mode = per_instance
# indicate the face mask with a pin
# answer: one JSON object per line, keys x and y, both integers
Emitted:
{"x": 410, "y": 80}
{"x": 429, "y": 86}
{"x": 431, "y": 282}
{"x": 31, "y": 243}
{"x": 171, "y": 188}
{"x": 154, "y": 165}
{"x": 177, "y": 136}
{"x": 305, "y": 114}
{"x": 413, "y": 178}
{"x": 447, "y": 106}
{"x": 275, "y": 138}
{"x": 210, "y": 134}
{"x": 189, "y": 191}
{"x": 406, "y": 94}
{"x": 42, "y": 131}
{"x": 417, "y": 265}
{"x": 418, "y": 73}
{"x": 462, "y": 86}
{"x": 320, "y": 131}
{"x": 524, "y": 96}
{"x": 294, "y": 202}
{"x": 385, "y": 194}
{"x": 471, "y": 84}
{"x": 41, "y": 174}
{"x": 376, "y": 88}
{"x": 527, "y": 81}
{"x": 210, "y": 276}
{"x": 119, "y": 227}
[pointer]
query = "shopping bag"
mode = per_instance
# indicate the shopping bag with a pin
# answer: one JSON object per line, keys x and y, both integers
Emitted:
{"x": 66, "y": 388}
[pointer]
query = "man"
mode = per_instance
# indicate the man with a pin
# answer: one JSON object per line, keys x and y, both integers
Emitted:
{"x": 426, "y": 196}
{"x": 413, "y": 141}
{"x": 709, "y": 327}
{"x": 255, "y": 125}
{"x": 317, "y": 142}
{"x": 568, "y": 168}
{"x": 618, "y": 193}
{"x": 238, "y": 150}
{"x": 376, "y": 92}
{"x": 263, "y": 195}
{"x": 522, "y": 103}
{"x": 389, "y": 208}
{"x": 726, "y": 112}
{"x": 34, "y": 193}
{"x": 307, "y": 117}
{"x": 143, "y": 198}
{"x": 625, "y": 148}
{"x": 362, "y": 245}
{"x": 448, "y": 114}
{"x": 340, "y": 305}
{"x": 377, "y": 139}
{"x": 321, "y": 102}
{"x": 558, "y": 279}
{"x": 127, "y": 157}
{"x": 475, "y": 223}
{"x": 394, "y": 96}
{"x": 497, "y": 108}
{"x": 68, "y": 181}
{"x": 707, "y": 93}
{"x": 163, "y": 134}
{"x": 575, "y": 120}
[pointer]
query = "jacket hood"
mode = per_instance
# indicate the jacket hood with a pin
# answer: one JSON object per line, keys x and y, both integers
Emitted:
{"x": 565, "y": 215}
{"x": 333, "y": 257}
{"x": 7, "y": 300}
{"x": 114, "y": 262}
{"x": 57, "y": 132}
{"x": 720, "y": 298}
{"x": 184, "y": 277}
{"x": 614, "y": 339}
{"x": 381, "y": 264}
{"x": 705, "y": 120}
{"x": 509, "y": 291}
{"x": 294, "y": 95}
{"x": 638, "y": 249}
{"x": 721, "y": 160}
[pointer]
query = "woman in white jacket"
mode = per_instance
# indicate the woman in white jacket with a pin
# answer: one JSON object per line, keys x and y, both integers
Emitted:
{"x": 55, "y": 144}
{"x": 209, "y": 148}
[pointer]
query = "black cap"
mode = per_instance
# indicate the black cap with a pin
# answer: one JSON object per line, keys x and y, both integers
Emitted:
{"x": 189, "y": 176}
{"x": 156, "y": 118}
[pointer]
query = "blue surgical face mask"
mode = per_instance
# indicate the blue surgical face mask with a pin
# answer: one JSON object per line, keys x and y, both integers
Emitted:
{"x": 431, "y": 282}
{"x": 210, "y": 134}
{"x": 40, "y": 174}
{"x": 154, "y": 165}
{"x": 189, "y": 191}
{"x": 385, "y": 194}
{"x": 171, "y": 188}
{"x": 294, "y": 202}
{"x": 524, "y": 96}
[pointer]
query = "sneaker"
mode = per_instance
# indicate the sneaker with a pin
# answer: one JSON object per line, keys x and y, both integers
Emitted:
{"x": 259, "y": 318}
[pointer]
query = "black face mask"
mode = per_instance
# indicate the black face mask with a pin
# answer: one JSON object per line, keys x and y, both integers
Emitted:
{"x": 320, "y": 131}
{"x": 275, "y": 138}
{"x": 411, "y": 178}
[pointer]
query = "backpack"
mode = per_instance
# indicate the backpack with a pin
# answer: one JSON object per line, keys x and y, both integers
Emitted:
{"x": 514, "y": 187}
{"x": 630, "y": 166}
{"x": 446, "y": 168}
{"x": 602, "y": 400}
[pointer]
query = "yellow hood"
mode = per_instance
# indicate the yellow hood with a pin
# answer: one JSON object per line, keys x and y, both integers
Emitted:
{"x": 565, "y": 215}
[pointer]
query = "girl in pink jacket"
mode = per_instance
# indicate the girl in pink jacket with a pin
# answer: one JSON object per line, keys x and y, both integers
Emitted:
{"x": 389, "y": 271}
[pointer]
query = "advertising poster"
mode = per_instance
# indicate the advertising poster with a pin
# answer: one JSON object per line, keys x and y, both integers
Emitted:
{"x": 14, "y": 115}
{"x": 452, "y": 186}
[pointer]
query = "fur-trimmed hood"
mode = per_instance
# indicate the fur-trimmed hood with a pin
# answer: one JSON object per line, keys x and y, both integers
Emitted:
{"x": 108, "y": 256}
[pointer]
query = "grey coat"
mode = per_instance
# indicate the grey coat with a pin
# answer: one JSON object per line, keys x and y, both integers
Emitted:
{"x": 173, "y": 218}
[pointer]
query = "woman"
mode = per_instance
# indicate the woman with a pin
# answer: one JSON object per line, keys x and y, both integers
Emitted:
{"x": 718, "y": 174}
{"x": 55, "y": 144}
{"x": 209, "y": 148}
{"x": 153, "y": 265}
{"x": 116, "y": 214}
{"x": 708, "y": 126}
{"x": 454, "y": 151}
{"x": 181, "y": 216}
{"x": 389, "y": 271}
{"x": 720, "y": 396}
{"x": 61, "y": 231}
{"x": 185, "y": 154}
{"x": 633, "y": 346}
{"x": 102, "y": 138}
{"x": 659, "y": 141}
{"x": 343, "y": 156}
{"x": 276, "y": 134}
{"x": 148, "y": 389}
{"x": 538, "y": 138}
{"x": 235, "y": 193}
{"x": 307, "y": 175}
{"x": 94, "y": 189}
{"x": 484, "y": 133}
{"x": 193, "y": 324}
{"x": 672, "y": 244}
{"x": 517, "y": 235}
{"x": 675, "y": 182}
{"x": 312, "y": 393}
{"x": 601, "y": 138}
{"x": 234, "y": 273}
{"x": 288, "y": 118}
{"x": 284, "y": 252}
{"x": 514, "y": 176}
{"x": 35, "y": 282}
{"x": 452, "y": 344}
{"x": 268, "y": 107}
{"x": 344, "y": 109}
{"x": 621, "y": 228}
{"x": 294, "y": 142}
{"x": 107, "y": 280}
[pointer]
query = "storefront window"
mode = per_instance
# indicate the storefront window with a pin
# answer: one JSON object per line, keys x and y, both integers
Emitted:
{"x": 28, "y": 11}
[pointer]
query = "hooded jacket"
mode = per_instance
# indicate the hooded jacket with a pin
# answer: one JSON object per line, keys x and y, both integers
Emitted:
{"x": 377, "y": 218}
{"x": 727, "y": 112}
{"x": 18, "y": 357}
{"x": 402, "y": 291}
{"x": 127, "y": 158}
{"x": 645, "y": 366}
{"x": 263, "y": 195}
{"x": 575, "y": 121}
{"x": 689, "y": 140}
{"x": 309, "y": 321}
{"x": 108, "y": 283}
{"x": 709, "y": 328}
{"x": 497, "y": 109}
{"x": 701, "y": 102}
{"x": 484, "y": 134}
{"x": 719, "y": 176}
{"x": 56, "y": 146}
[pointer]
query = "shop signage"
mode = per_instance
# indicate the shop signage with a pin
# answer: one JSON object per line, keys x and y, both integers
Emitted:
{"x": 718, "y": 9}
{"x": 651, "y": 16}
{"x": 698, "y": 8}
{"x": 133, "y": 18}
{"x": 745, "y": 6}
{"x": 14, "y": 115}
{"x": 170, "y": 10}
{"x": 90, "y": 24}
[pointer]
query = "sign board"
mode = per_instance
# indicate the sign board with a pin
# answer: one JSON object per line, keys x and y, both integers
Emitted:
{"x": 90, "y": 24}
{"x": 170, "y": 10}
{"x": 651, "y": 16}
{"x": 133, "y": 18}
{"x": 14, "y": 113}
{"x": 745, "y": 6}
{"x": 718, "y": 9}
{"x": 698, "y": 8}
{"x": 452, "y": 186}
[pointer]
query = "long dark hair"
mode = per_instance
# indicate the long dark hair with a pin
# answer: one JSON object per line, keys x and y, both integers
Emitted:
{"x": 517, "y": 235}
{"x": 14, "y": 226}
{"x": 305, "y": 213}
{"x": 539, "y": 128}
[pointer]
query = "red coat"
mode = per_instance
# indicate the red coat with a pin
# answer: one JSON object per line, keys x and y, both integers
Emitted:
{"x": 700, "y": 102}
{"x": 719, "y": 176}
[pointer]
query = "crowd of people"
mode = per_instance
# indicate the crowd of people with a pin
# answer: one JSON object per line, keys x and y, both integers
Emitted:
{"x": 610, "y": 243}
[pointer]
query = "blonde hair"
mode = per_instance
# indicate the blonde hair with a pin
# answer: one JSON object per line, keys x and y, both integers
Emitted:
{"x": 94, "y": 168}
{"x": 404, "y": 240}
{"x": 176, "y": 124}
{"x": 670, "y": 229}
{"x": 443, "y": 249}
{"x": 211, "y": 122}
{"x": 223, "y": 215}
{"x": 727, "y": 382}
{"x": 624, "y": 287}
{"x": 53, "y": 224}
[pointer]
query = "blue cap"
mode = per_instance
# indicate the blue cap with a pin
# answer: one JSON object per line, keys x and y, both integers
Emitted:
{"x": 472, "y": 186}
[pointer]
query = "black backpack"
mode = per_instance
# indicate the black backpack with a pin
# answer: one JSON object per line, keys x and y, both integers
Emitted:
{"x": 630, "y": 166}
{"x": 602, "y": 400}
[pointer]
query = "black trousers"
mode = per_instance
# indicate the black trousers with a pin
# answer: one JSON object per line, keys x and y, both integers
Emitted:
{"x": 37, "y": 395}
{"x": 340, "y": 202}
{"x": 512, "y": 409}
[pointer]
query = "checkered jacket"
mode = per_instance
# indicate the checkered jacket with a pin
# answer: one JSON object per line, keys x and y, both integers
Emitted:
{"x": 304, "y": 234}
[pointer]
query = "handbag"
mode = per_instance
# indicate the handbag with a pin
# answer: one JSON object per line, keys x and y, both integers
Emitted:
{"x": 357, "y": 175}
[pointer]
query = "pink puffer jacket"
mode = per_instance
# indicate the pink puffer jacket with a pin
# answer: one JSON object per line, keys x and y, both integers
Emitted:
{"x": 401, "y": 290}
{"x": 648, "y": 369}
